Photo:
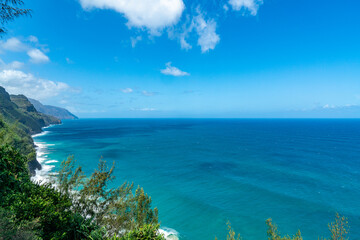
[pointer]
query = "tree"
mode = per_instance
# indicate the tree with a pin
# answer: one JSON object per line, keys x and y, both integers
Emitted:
{"x": 274, "y": 234}
{"x": 11, "y": 9}
{"x": 231, "y": 233}
{"x": 119, "y": 210}
{"x": 146, "y": 232}
{"x": 339, "y": 229}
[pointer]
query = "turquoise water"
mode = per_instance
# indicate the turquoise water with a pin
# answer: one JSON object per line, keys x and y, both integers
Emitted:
{"x": 203, "y": 172}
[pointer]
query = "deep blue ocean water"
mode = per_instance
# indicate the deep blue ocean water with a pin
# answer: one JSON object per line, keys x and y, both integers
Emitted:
{"x": 201, "y": 173}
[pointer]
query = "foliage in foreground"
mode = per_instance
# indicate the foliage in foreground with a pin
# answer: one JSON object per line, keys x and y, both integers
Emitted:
{"x": 339, "y": 230}
{"x": 93, "y": 212}
{"x": 113, "y": 208}
{"x": 11, "y": 9}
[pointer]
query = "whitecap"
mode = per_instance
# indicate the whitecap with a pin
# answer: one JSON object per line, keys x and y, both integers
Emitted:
{"x": 45, "y": 174}
{"x": 169, "y": 233}
{"x": 40, "y": 134}
{"x": 51, "y": 161}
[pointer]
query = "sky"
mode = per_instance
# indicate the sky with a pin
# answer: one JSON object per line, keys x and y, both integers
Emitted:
{"x": 187, "y": 58}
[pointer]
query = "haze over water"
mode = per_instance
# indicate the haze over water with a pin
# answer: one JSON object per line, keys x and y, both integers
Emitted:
{"x": 202, "y": 172}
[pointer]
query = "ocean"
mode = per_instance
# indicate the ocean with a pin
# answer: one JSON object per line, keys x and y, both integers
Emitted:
{"x": 202, "y": 173}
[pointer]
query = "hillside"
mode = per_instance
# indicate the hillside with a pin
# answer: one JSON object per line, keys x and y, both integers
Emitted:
{"x": 60, "y": 113}
{"x": 18, "y": 121}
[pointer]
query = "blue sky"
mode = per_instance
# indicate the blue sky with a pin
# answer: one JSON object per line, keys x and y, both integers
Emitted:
{"x": 178, "y": 58}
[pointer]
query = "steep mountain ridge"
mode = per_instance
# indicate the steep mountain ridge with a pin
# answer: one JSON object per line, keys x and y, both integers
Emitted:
{"x": 58, "y": 112}
{"x": 18, "y": 121}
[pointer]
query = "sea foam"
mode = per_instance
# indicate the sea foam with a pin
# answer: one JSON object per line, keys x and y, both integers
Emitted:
{"x": 43, "y": 175}
{"x": 169, "y": 233}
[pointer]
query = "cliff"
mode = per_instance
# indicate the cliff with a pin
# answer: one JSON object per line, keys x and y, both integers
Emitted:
{"x": 18, "y": 121}
{"x": 60, "y": 113}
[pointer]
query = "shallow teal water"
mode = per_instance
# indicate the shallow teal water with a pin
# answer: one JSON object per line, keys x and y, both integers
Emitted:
{"x": 203, "y": 172}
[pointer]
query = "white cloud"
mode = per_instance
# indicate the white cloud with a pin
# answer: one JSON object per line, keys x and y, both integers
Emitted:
{"x": 33, "y": 39}
{"x": 183, "y": 43}
{"x": 206, "y": 29}
{"x": 173, "y": 71}
{"x": 127, "y": 90}
{"x": 327, "y": 106}
{"x": 12, "y": 65}
{"x": 18, "y": 82}
{"x": 151, "y": 14}
{"x": 14, "y": 45}
{"x": 143, "y": 109}
{"x": 251, "y": 5}
{"x": 37, "y": 56}
{"x": 15, "y": 65}
{"x": 148, "y": 94}
{"x": 135, "y": 40}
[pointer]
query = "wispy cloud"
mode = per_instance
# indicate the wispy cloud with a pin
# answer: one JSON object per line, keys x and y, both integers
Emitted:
{"x": 249, "y": 5}
{"x": 37, "y": 56}
{"x": 158, "y": 15}
{"x": 12, "y": 65}
{"x": 135, "y": 40}
{"x": 148, "y": 94}
{"x": 127, "y": 90}
{"x": 330, "y": 106}
{"x": 14, "y": 45}
{"x": 33, "y": 39}
{"x": 143, "y": 109}
{"x": 206, "y": 29}
{"x": 29, "y": 45}
{"x": 173, "y": 71}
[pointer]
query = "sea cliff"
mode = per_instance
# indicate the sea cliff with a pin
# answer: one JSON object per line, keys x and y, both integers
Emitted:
{"x": 18, "y": 121}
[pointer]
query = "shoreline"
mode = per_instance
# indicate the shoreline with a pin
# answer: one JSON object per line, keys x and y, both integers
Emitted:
{"x": 44, "y": 174}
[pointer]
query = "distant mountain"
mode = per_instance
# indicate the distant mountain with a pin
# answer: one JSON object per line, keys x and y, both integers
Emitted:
{"x": 60, "y": 113}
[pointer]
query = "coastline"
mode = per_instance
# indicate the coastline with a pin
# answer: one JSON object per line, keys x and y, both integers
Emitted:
{"x": 44, "y": 174}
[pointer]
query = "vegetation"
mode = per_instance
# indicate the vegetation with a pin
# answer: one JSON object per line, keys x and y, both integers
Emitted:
{"x": 73, "y": 205}
{"x": 274, "y": 234}
{"x": 27, "y": 108}
{"x": 79, "y": 208}
{"x": 12, "y": 135}
{"x": 11, "y": 9}
{"x": 19, "y": 119}
{"x": 231, "y": 234}
{"x": 339, "y": 230}
{"x": 113, "y": 208}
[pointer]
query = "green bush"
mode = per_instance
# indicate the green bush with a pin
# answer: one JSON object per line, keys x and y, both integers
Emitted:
{"x": 10, "y": 228}
{"x": 146, "y": 232}
{"x": 116, "y": 209}
{"x": 30, "y": 202}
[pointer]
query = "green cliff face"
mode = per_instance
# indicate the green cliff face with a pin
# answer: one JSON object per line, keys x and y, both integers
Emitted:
{"x": 29, "y": 116}
{"x": 18, "y": 120}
